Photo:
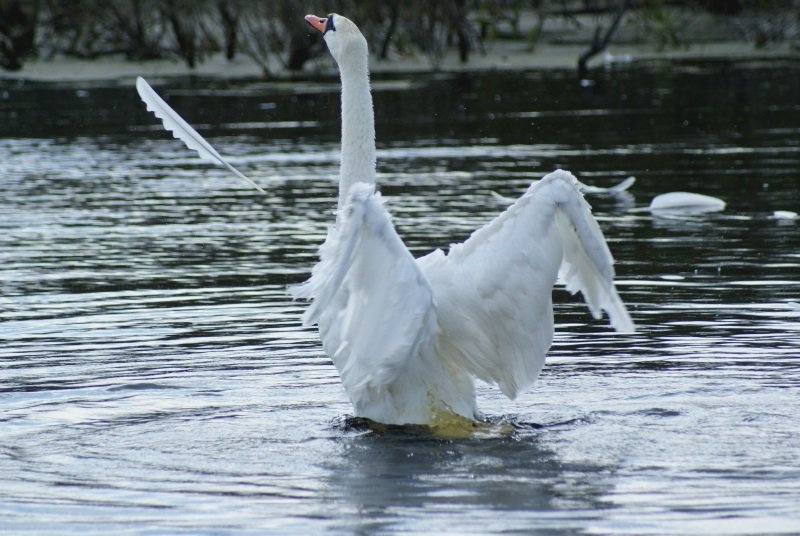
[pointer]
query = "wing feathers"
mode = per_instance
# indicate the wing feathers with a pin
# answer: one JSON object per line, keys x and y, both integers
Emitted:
{"x": 493, "y": 292}
{"x": 182, "y": 130}
{"x": 372, "y": 303}
{"x": 394, "y": 326}
{"x": 592, "y": 276}
{"x": 587, "y": 265}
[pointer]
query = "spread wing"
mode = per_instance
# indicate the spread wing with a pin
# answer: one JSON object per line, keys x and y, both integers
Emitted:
{"x": 182, "y": 130}
{"x": 373, "y": 304}
{"x": 493, "y": 292}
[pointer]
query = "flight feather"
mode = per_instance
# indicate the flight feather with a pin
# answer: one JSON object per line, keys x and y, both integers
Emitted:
{"x": 183, "y": 131}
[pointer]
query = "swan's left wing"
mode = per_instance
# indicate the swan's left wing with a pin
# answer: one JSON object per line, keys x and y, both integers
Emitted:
{"x": 494, "y": 292}
{"x": 373, "y": 304}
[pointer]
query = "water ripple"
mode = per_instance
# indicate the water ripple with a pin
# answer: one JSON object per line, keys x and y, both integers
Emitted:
{"x": 155, "y": 377}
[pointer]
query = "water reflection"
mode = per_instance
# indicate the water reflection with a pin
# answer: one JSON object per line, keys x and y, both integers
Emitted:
{"x": 398, "y": 479}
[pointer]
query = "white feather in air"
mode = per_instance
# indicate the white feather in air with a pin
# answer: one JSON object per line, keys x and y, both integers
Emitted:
{"x": 182, "y": 130}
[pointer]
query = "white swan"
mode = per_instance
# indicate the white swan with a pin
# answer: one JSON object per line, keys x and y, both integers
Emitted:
{"x": 409, "y": 336}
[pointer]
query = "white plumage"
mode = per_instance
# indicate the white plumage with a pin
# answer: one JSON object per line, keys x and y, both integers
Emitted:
{"x": 183, "y": 131}
{"x": 409, "y": 336}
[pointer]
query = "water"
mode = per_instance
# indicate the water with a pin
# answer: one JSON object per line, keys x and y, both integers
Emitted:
{"x": 155, "y": 379}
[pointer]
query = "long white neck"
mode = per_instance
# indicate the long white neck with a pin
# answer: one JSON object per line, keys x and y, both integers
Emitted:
{"x": 358, "y": 126}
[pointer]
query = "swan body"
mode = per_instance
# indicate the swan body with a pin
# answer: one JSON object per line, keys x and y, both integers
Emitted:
{"x": 409, "y": 336}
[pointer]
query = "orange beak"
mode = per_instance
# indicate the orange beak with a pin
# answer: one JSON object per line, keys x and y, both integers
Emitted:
{"x": 317, "y": 23}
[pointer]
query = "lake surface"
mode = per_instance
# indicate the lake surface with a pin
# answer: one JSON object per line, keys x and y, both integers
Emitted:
{"x": 154, "y": 377}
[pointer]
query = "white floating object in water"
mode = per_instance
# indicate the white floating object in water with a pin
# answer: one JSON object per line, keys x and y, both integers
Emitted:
{"x": 686, "y": 202}
{"x": 784, "y": 215}
{"x": 794, "y": 305}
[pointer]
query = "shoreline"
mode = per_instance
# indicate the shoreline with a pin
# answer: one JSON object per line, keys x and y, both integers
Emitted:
{"x": 498, "y": 55}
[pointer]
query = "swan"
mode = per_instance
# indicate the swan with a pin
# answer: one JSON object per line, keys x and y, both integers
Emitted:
{"x": 408, "y": 336}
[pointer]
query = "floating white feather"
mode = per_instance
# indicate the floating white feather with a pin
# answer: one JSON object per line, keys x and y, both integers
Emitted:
{"x": 182, "y": 130}
{"x": 686, "y": 202}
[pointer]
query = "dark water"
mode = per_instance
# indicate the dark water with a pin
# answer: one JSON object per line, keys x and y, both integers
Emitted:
{"x": 154, "y": 377}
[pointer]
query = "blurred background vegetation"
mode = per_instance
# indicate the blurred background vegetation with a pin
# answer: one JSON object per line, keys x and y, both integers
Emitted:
{"x": 272, "y": 33}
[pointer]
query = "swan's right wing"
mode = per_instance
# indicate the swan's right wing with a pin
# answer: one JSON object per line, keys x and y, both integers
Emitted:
{"x": 493, "y": 292}
{"x": 373, "y": 304}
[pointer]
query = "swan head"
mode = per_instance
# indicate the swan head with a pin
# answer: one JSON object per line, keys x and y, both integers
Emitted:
{"x": 342, "y": 36}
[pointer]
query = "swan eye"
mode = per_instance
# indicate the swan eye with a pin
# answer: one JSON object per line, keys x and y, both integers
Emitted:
{"x": 329, "y": 24}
